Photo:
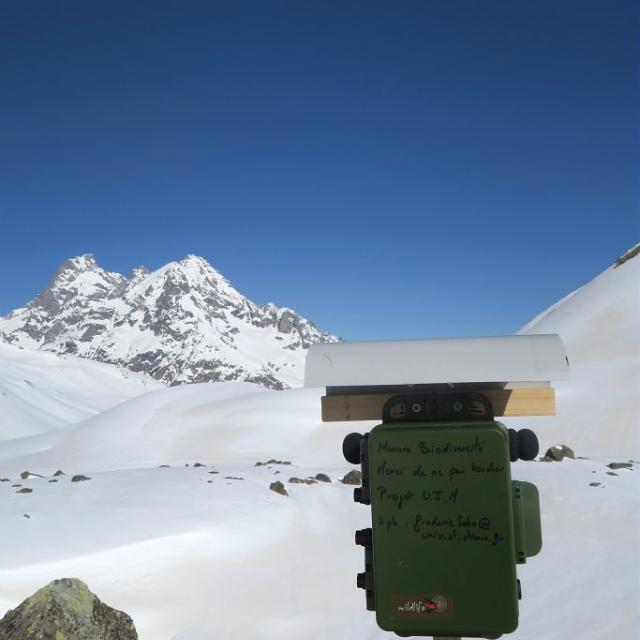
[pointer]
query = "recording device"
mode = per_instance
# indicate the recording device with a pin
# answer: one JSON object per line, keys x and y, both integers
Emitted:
{"x": 448, "y": 522}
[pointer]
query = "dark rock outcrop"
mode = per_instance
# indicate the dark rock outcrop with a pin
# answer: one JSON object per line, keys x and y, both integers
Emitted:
{"x": 66, "y": 610}
{"x": 558, "y": 452}
{"x": 353, "y": 477}
{"x": 278, "y": 487}
{"x": 632, "y": 253}
{"x": 271, "y": 461}
{"x": 295, "y": 480}
{"x": 29, "y": 474}
{"x": 620, "y": 465}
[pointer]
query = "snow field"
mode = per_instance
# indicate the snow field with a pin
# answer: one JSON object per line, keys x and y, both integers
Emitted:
{"x": 41, "y": 391}
{"x": 598, "y": 411}
{"x": 188, "y": 558}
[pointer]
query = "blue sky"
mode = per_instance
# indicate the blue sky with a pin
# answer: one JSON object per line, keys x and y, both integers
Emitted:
{"x": 388, "y": 169}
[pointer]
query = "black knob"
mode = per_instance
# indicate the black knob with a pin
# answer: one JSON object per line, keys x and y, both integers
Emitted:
{"x": 361, "y": 580}
{"x": 514, "y": 447}
{"x": 528, "y": 446}
{"x": 363, "y": 537}
{"x": 351, "y": 448}
{"x": 519, "y": 590}
{"x": 358, "y": 496}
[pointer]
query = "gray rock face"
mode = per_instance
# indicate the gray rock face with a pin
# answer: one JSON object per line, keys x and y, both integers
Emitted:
{"x": 66, "y": 610}
{"x": 632, "y": 253}
{"x": 181, "y": 323}
{"x": 620, "y": 465}
{"x": 558, "y": 452}
{"x": 278, "y": 487}
{"x": 353, "y": 477}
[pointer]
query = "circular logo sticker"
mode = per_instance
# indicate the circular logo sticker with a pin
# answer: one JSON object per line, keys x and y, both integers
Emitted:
{"x": 438, "y": 604}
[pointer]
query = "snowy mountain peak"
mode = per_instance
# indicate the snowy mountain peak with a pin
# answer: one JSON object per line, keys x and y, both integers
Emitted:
{"x": 84, "y": 265}
{"x": 198, "y": 271}
{"x": 184, "y": 322}
{"x": 191, "y": 261}
{"x": 139, "y": 272}
{"x": 85, "y": 262}
{"x": 79, "y": 276}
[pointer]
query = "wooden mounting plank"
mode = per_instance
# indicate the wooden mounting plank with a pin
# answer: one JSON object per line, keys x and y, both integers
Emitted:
{"x": 506, "y": 402}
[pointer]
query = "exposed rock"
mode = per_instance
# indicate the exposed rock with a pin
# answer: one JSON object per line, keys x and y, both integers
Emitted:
{"x": 5, "y": 480}
{"x": 278, "y": 487}
{"x": 164, "y": 466}
{"x": 322, "y": 477}
{"x": 79, "y": 478}
{"x": 66, "y": 610}
{"x": 620, "y": 465}
{"x": 59, "y": 472}
{"x": 353, "y": 477}
{"x": 611, "y": 473}
{"x": 295, "y": 480}
{"x": 26, "y": 515}
{"x": 198, "y": 464}
{"x": 24, "y": 490}
{"x": 272, "y": 461}
{"x": 53, "y": 480}
{"x": 595, "y": 484}
{"x": 557, "y": 453}
{"x": 632, "y": 253}
{"x": 28, "y": 474}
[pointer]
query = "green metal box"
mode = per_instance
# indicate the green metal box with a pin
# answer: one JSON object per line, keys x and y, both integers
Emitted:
{"x": 444, "y": 533}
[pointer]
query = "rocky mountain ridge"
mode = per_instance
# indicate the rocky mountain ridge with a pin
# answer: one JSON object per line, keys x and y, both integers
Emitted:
{"x": 181, "y": 323}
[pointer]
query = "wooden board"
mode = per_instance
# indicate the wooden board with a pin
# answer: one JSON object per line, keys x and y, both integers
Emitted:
{"x": 506, "y": 402}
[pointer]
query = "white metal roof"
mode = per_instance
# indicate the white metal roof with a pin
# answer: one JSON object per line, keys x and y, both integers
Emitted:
{"x": 523, "y": 358}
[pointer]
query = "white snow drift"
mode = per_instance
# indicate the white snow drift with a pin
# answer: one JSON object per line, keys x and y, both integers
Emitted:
{"x": 40, "y": 391}
{"x": 599, "y": 325}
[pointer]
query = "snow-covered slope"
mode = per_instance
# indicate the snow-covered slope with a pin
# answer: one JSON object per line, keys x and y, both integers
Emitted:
{"x": 196, "y": 552}
{"x": 181, "y": 323}
{"x": 41, "y": 391}
{"x": 193, "y": 552}
{"x": 598, "y": 409}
